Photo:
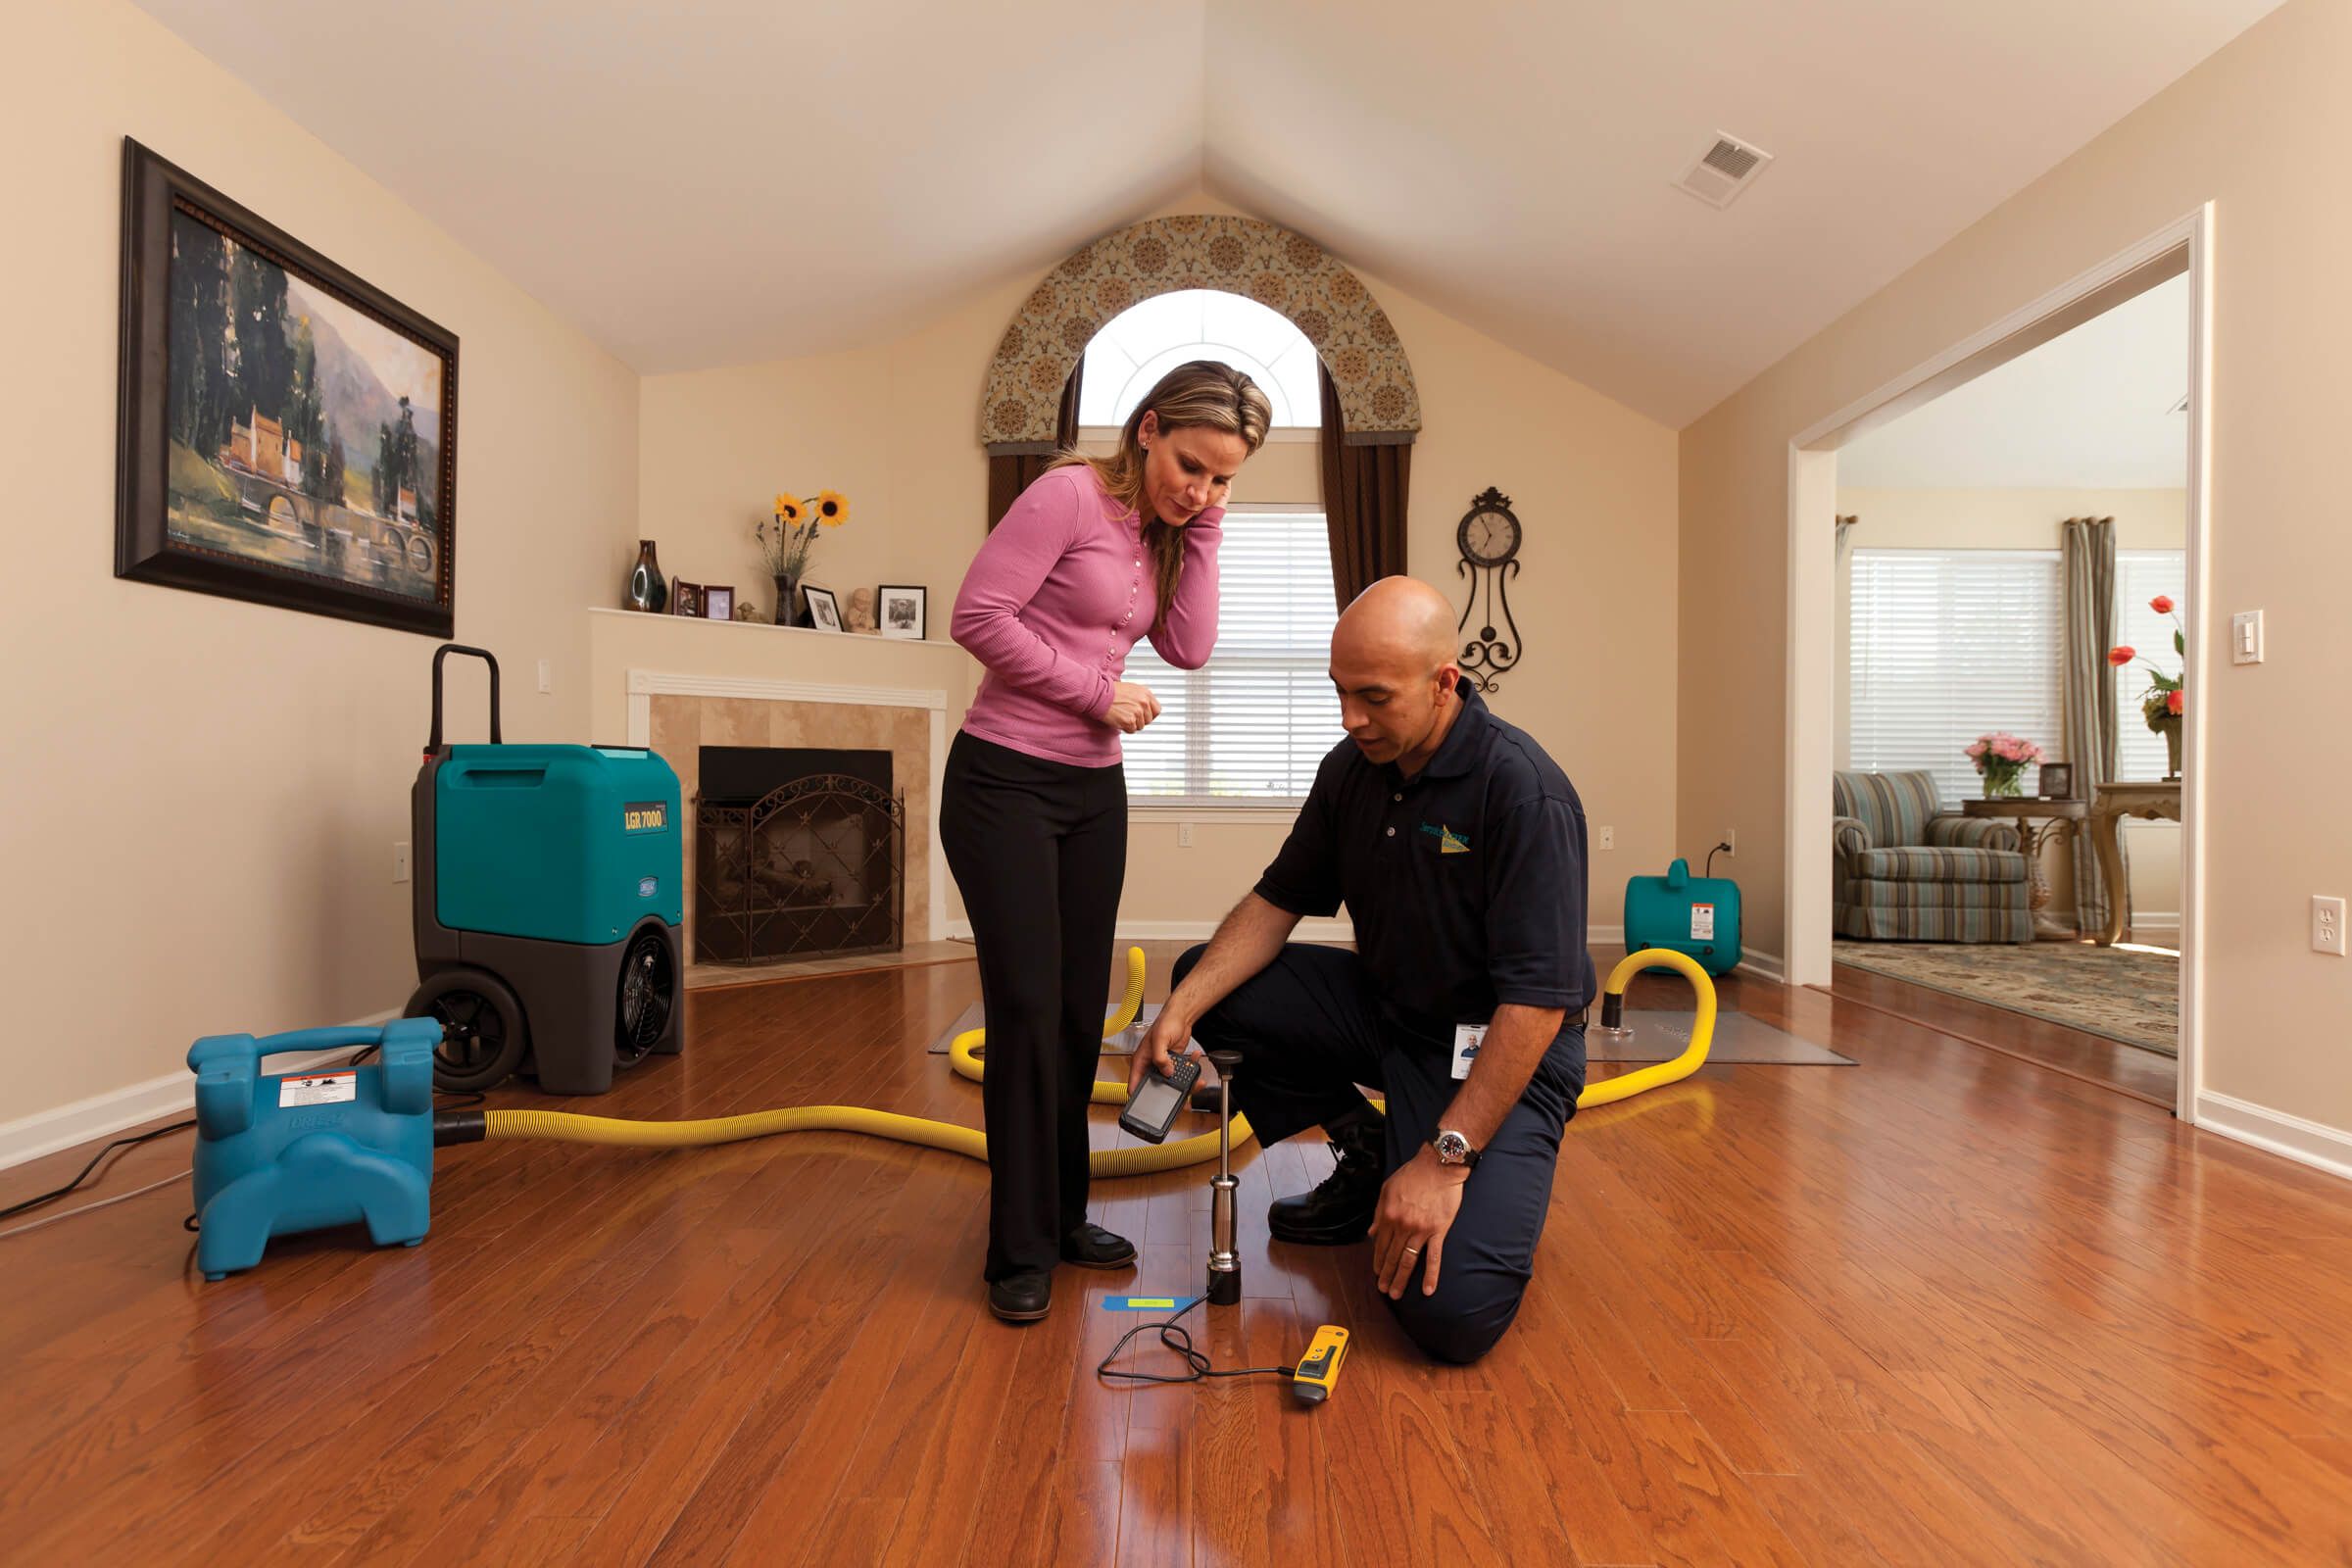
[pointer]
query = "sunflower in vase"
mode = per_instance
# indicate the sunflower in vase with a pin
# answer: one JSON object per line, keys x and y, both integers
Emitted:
{"x": 786, "y": 538}
{"x": 2165, "y": 700}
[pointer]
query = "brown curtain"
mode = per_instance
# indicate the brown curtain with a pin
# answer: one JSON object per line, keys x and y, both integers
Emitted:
{"x": 2086, "y": 546}
{"x": 1363, "y": 501}
{"x": 1009, "y": 472}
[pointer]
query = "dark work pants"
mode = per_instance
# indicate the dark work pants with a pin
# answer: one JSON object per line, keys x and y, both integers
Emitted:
{"x": 1039, "y": 850}
{"x": 1309, "y": 1031}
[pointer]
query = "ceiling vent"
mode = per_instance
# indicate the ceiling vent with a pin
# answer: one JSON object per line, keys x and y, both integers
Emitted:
{"x": 1724, "y": 171}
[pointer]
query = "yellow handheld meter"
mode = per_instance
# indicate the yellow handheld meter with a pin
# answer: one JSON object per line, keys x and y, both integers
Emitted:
{"x": 1319, "y": 1369}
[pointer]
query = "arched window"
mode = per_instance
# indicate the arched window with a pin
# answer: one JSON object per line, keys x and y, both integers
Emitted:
{"x": 1144, "y": 342}
{"x": 1249, "y": 729}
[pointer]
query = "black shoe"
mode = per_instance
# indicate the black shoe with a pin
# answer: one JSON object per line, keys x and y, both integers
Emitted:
{"x": 1207, "y": 1098}
{"x": 1021, "y": 1297}
{"x": 1340, "y": 1210}
{"x": 1093, "y": 1247}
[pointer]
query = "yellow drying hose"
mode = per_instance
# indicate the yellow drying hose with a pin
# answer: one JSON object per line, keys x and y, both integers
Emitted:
{"x": 963, "y": 1055}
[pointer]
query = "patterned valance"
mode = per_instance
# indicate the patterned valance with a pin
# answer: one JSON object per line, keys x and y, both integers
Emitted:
{"x": 1280, "y": 270}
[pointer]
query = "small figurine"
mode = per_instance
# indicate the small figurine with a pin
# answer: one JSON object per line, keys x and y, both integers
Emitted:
{"x": 861, "y": 615}
{"x": 746, "y": 611}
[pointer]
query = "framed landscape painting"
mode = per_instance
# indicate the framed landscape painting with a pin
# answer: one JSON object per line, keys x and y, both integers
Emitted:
{"x": 286, "y": 431}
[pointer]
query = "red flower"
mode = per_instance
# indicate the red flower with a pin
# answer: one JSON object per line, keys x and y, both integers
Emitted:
{"x": 2172, "y": 701}
{"x": 2120, "y": 656}
{"x": 2160, "y": 605}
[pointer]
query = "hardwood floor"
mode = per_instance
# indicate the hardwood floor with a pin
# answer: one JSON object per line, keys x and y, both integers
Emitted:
{"x": 2129, "y": 1069}
{"x": 1945, "y": 1307}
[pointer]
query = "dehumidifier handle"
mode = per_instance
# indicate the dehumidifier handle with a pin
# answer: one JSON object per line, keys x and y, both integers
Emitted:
{"x": 432, "y": 742}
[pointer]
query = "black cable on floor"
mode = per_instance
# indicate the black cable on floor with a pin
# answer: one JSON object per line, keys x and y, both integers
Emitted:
{"x": 51, "y": 1197}
{"x": 1180, "y": 1340}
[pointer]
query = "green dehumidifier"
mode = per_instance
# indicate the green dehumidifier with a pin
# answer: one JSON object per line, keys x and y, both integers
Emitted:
{"x": 1698, "y": 916}
{"x": 548, "y": 906}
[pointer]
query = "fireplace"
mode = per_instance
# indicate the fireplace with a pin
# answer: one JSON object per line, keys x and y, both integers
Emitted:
{"x": 800, "y": 852}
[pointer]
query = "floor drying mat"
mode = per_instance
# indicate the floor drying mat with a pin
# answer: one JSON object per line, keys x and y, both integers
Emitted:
{"x": 1659, "y": 1035}
{"x": 1740, "y": 1041}
{"x": 1122, "y": 1044}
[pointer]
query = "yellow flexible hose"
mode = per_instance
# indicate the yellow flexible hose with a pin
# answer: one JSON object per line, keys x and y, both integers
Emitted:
{"x": 572, "y": 1128}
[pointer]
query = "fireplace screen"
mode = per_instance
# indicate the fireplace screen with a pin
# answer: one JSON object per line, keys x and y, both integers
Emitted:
{"x": 810, "y": 869}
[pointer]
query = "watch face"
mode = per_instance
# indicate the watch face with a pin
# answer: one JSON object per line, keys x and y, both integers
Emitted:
{"x": 1453, "y": 1148}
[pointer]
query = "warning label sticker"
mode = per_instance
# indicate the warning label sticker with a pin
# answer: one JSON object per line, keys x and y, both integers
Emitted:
{"x": 1702, "y": 922}
{"x": 318, "y": 1088}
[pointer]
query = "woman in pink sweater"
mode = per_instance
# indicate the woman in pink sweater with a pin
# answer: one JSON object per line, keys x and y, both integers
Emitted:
{"x": 1094, "y": 555}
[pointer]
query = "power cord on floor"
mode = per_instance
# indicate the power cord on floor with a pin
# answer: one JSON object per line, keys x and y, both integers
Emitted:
{"x": 1180, "y": 1340}
{"x": 103, "y": 1202}
{"x": 53, "y": 1194}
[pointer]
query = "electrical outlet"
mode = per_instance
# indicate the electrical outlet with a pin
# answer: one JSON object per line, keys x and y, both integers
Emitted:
{"x": 547, "y": 676}
{"x": 1608, "y": 838}
{"x": 2326, "y": 925}
{"x": 1184, "y": 835}
{"x": 399, "y": 861}
{"x": 1730, "y": 841}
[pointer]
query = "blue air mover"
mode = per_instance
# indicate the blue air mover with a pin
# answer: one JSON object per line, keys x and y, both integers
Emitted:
{"x": 548, "y": 906}
{"x": 309, "y": 1150}
{"x": 1698, "y": 916}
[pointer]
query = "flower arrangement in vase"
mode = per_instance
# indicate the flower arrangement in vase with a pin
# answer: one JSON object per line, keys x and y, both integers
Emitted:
{"x": 2163, "y": 702}
{"x": 2001, "y": 759}
{"x": 785, "y": 539}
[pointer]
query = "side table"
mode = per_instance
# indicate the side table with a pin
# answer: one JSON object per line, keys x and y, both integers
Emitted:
{"x": 2151, "y": 800}
{"x": 2036, "y": 823}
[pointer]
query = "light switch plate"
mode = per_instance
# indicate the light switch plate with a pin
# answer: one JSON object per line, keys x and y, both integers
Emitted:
{"x": 2245, "y": 637}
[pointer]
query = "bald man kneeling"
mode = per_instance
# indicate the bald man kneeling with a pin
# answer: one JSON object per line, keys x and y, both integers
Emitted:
{"x": 1459, "y": 848}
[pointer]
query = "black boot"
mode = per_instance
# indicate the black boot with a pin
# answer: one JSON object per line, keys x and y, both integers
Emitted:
{"x": 1340, "y": 1210}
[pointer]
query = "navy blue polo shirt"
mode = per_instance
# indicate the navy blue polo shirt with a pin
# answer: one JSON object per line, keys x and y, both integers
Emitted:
{"x": 1466, "y": 883}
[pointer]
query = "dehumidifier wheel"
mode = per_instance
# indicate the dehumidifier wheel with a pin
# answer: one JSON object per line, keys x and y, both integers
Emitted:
{"x": 481, "y": 1029}
{"x": 649, "y": 988}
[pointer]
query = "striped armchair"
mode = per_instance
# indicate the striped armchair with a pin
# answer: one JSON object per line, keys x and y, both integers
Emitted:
{"x": 1907, "y": 870}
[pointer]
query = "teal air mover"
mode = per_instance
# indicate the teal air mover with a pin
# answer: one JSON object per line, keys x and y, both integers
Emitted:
{"x": 1695, "y": 915}
{"x": 548, "y": 906}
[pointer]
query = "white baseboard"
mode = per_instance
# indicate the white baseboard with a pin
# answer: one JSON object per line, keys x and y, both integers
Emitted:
{"x": 2156, "y": 919}
{"x": 174, "y": 1093}
{"x": 1763, "y": 966}
{"x": 2308, "y": 1142}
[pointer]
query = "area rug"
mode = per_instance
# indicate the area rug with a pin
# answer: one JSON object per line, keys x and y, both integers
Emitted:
{"x": 2113, "y": 992}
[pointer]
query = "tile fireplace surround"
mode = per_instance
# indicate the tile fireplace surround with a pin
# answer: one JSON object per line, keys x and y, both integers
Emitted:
{"x": 677, "y": 715}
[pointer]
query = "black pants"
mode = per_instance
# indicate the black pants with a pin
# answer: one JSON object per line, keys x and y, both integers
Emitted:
{"x": 1039, "y": 850}
{"x": 1309, "y": 1030}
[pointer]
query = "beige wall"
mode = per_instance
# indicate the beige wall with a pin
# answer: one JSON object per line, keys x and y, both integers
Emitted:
{"x": 2234, "y": 132}
{"x": 894, "y": 425}
{"x": 2022, "y": 520}
{"x": 200, "y": 796}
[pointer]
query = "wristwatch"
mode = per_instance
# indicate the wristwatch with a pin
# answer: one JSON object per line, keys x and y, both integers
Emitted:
{"x": 1455, "y": 1149}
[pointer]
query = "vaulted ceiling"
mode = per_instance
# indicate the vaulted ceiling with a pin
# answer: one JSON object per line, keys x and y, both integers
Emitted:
{"x": 707, "y": 182}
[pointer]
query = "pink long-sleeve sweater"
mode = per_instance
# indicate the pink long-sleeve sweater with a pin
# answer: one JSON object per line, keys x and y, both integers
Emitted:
{"x": 1056, "y": 595}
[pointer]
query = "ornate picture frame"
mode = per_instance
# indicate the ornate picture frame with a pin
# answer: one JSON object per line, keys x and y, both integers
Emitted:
{"x": 286, "y": 431}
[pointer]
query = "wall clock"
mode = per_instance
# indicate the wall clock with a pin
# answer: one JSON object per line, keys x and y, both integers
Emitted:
{"x": 1488, "y": 541}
